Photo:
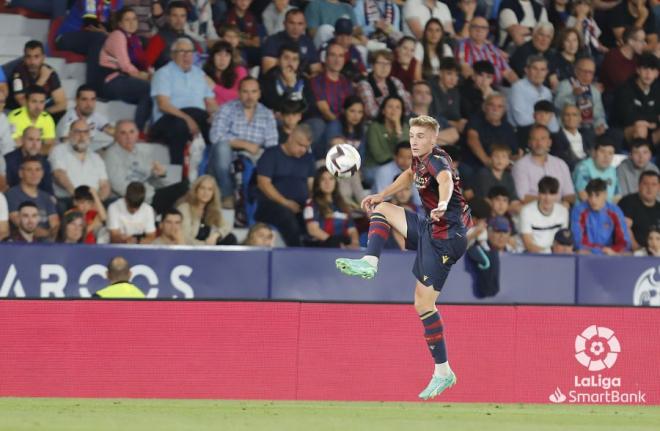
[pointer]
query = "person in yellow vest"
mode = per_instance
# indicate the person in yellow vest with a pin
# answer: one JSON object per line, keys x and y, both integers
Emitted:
{"x": 119, "y": 288}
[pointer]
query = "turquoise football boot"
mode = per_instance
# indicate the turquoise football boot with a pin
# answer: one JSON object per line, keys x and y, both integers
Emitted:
{"x": 438, "y": 385}
{"x": 356, "y": 267}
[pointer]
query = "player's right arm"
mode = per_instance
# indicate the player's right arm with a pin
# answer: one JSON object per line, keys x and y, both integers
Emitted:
{"x": 402, "y": 182}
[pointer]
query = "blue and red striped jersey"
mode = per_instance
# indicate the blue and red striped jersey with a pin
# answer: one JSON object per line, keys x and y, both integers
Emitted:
{"x": 456, "y": 219}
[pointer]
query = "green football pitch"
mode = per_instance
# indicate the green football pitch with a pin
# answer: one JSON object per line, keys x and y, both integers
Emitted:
{"x": 73, "y": 414}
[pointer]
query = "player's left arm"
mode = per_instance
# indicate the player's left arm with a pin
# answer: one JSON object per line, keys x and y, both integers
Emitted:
{"x": 445, "y": 190}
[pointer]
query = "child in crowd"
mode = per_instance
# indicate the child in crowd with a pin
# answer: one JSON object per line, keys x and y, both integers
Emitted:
{"x": 86, "y": 201}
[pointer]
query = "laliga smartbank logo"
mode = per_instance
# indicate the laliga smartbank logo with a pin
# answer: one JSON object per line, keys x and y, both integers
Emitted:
{"x": 597, "y": 348}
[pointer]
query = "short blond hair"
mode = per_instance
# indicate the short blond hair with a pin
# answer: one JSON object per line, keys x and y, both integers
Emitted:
{"x": 425, "y": 121}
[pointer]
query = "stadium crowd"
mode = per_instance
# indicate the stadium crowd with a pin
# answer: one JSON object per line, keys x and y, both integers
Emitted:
{"x": 550, "y": 112}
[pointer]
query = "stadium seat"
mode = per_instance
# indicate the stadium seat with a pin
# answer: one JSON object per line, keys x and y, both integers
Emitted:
{"x": 70, "y": 86}
{"x": 13, "y": 45}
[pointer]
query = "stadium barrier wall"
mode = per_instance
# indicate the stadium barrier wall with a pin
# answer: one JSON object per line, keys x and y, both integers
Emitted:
{"x": 321, "y": 351}
{"x": 41, "y": 271}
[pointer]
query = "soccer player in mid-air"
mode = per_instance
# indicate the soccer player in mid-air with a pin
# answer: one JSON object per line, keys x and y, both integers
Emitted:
{"x": 439, "y": 239}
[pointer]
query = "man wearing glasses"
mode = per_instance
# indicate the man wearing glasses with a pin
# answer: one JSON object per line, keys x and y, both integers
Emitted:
{"x": 183, "y": 101}
{"x": 477, "y": 47}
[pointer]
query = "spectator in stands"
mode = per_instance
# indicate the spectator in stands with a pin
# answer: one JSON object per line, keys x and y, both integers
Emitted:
{"x": 620, "y": 63}
{"x": 582, "y": 19}
{"x": 73, "y": 228}
{"x": 274, "y": 15}
{"x": 537, "y": 164}
{"x": 232, "y": 35}
{"x": 489, "y": 127}
{"x": 27, "y": 224}
{"x": 541, "y": 220}
{"x": 385, "y": 174}
{"x": 599, "y": 165}
{"x": 568, "y": 144}
{"x": 160, "y": 47}
{"x": 351, "y": 125}
{"x": 7, "y": 143}
{"x": 526, "y": 92}
{"x": 381, "y": 84}
{"x": 242, "y": 125}
{"x": 171, "y": 232}
{"x": 569, "y": 46}
{"x": 125, "y": 63}
{"x": 86, "y": 201}
{"x": 284, "y": 81}
{"x": 290, "y": 114}
{"x": 630, "y": 169}
{"x": 544, "y": 115}
{"x": 405, "y": 66}
{"x": 541, "y": 45}
{"x": 32, "y": 71}
{"x": 183, "y": 101}
{"x": 422, "y": 98}
{"x": 321, "y": 16}
{"x": 476, "y": 88}
{"x": 131, "y": 220}
{"x": 477, "y": 47}
{"x": 499, "y": 234}
{"x": 637, "y": 102}
{"x": 446, "y": 97}
{"x": 416, "y": 13}
{"x": 294, "y": 31}
{"x": 558, "y": 13}
{"x": 222, "y": 72}
{"x": 33, "y": 114}
{"x": 31, "y": 146}
{"x": 563, "y": 242}
{"x": 499, "y": 200}
{"x": 260, "y": 235}
{"x": 581, "y": 92}
{"x": 432, "y": 48}
{"x": 354, "y": 60}
{"x": 4, "y": 217}
{"x": 84, "y": 31}
{"x": 127, "y": 163}
{"x": 385, "y": 133}
{"x": 284, "y": 178}
{"x": 516, "y": 20}
{"x": 497, "y": 173}
{"x": 599, "y": 226}
{"x": 199, "y": 25}
{"x": 631, "y": 13}
{"x": 642, "y": 209}
{"x": 329, "y": 91}
{"x": 652, "y": 243}
{"x": 75, "y": 164}
{"x": 241, "y": 16}
{"x": 380, "y": 20}
{"x": 327, "y": 217}
{"x": 31, "y": 174}
{"x": 463, "y": 11}
{"x": 203, "y": 223}
{"x": 85, "y": 109}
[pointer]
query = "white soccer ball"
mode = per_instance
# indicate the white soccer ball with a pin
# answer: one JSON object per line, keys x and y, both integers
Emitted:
{"x": 343, "y": 161}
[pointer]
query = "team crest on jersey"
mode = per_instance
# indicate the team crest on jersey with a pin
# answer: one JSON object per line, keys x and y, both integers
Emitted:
{"x": 421, "y": 181}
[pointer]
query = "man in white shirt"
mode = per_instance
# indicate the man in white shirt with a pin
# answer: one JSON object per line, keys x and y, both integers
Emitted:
{"x": 568, "y": 144}
{"x": 131, "y": 220}
{"x": 85, "y": 109}
{"x": 517, "y": 18}
{"x": 540, "y": 220}
{"x": 74, "y": 164}
{"x": 416, "y": 14}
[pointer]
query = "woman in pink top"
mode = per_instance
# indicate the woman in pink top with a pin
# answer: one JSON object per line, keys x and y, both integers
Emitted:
{"x": 123, "y": 59}
{"x": 223, "y": 73}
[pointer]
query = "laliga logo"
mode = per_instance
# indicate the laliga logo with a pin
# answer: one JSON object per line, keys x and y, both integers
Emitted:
{"x": 647, "y": 288}
{"x": 597, "y": 348}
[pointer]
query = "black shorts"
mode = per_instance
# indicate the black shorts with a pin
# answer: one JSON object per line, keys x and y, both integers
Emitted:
{"x": 434, "y": 256}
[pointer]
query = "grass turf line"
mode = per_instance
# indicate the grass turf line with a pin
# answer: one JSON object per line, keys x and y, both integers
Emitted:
{"x": 73, "y": 414}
